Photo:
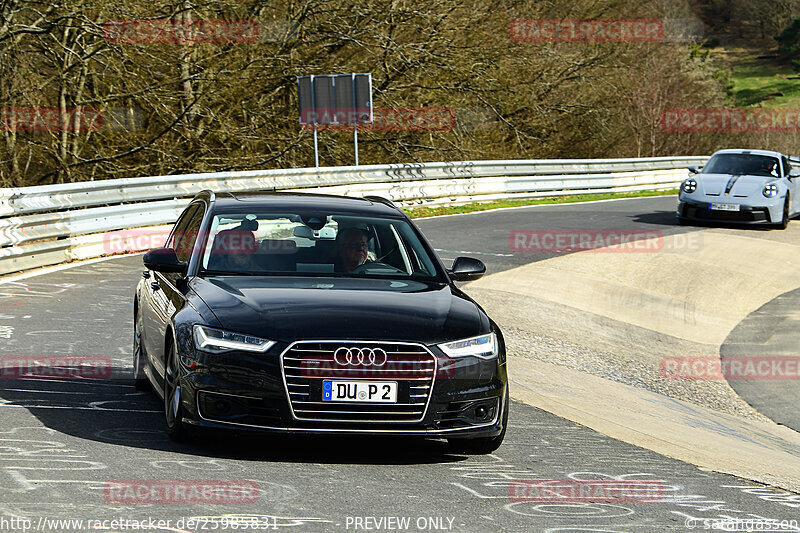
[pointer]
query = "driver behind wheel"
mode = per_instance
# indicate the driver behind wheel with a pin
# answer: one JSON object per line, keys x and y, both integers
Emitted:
{"x": 233, "y": 249}
{"x": 352, "y": 249}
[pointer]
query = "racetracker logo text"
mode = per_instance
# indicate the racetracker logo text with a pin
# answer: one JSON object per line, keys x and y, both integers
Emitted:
{"x": 603, "y": 241}
{"x": 181, "y": 492}
{"x": 383, "y": 119}
{"x": 50, "y": 119}
{"x": 585, "y": 491}
{"x": 233, "y": 242}
{"x": 179, "y": 31}
{"x": 65, "y": 367}
{"x": 586, "y": 30}
{"x": 135, "y": 240}
{"x": 730, "y": 120}
{"x": 72, "y": 119}
{"x": 311, "y": 368}
{"x": 773, "y": 368}
{"x": 569, "y": 240}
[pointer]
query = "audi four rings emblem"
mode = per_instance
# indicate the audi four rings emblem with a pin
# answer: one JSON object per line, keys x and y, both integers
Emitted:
{"x": 360, "y": 356}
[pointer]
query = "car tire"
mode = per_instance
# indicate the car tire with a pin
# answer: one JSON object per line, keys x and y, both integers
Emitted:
{"x": 682, "y": 221}
{"x": 784, "y": 223}
{"x": 481, "y": 445}
{"x": 140, "y": 380}
{"x": 173, "y": 405}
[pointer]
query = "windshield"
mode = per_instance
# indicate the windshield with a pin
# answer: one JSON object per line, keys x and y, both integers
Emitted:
{"x": 315, "y": 244}
{"x": 743, "y": 164}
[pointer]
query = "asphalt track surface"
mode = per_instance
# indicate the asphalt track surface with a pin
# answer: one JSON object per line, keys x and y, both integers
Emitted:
{"x": 771, "y": 331}
{"x": 485, "y": 235}
{"x": 63, "y": 442}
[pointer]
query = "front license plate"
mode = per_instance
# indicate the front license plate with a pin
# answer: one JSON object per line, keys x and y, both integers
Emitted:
{"x": 724, "y": 207}
{"x": 359, "y": 391}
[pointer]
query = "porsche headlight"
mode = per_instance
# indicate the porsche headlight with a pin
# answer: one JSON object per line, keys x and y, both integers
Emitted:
{"x": 217, "y": 341}
{"x": 770, "y": 191}
{"x": 483, "y": 346}
{"x": 689, "y": 185}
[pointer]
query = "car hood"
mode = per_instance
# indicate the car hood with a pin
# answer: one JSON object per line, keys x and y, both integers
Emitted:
{"x": 289, "y": 309}
{"x": 717, "y": 184}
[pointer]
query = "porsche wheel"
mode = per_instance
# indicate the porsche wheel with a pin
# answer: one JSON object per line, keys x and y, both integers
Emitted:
{"x": 784, "y": 223}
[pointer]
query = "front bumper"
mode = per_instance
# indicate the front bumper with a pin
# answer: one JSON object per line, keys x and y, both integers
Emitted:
{"x": 747, "y": 214}
{"x": 243, "y": 391}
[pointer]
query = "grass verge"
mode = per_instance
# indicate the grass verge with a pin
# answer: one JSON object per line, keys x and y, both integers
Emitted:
{"x": 422, "y": 212}
{"x": 764, "y": 82}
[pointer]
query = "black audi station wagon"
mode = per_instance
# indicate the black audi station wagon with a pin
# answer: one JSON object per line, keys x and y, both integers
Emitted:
{"x": 306, "y": 313}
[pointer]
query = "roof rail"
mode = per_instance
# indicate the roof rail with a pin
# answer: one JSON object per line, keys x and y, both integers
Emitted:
{"x": 380, "y": 200}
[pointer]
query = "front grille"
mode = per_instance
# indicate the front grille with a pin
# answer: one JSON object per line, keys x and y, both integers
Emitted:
{"x": 306, "y": 364}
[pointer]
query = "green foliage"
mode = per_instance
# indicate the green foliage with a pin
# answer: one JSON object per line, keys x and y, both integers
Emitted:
{"x": 422, "y": 212}
{"x": 724, "y": 76}
{"x": 698, "y": 51}
{"x": 789, "y": 43}
{"x": 764, "y": 82}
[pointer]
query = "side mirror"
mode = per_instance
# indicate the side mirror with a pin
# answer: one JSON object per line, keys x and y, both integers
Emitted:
{"x": 164, "y": 260}
{"x": 794, "y": 173}
{"x": 694, "y": 169}
{"x": 467, "y": 269}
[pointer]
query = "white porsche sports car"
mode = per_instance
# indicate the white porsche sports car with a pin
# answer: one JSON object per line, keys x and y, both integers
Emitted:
{"x": 742, "y": 186}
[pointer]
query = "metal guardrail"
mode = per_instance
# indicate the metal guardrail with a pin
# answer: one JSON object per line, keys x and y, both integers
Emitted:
{"x": 52, "y": 224}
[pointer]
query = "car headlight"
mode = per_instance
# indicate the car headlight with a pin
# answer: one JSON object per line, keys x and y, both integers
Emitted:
{"x": 770, "y": 191}
{"x": 483, "y": 346}
{"x": 689, "y": 185}
{"x": 218, "y": 341}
